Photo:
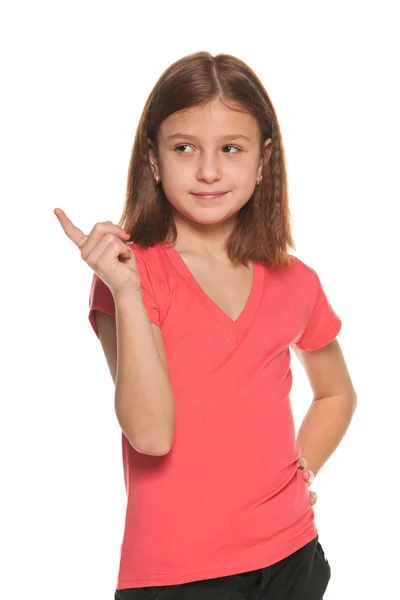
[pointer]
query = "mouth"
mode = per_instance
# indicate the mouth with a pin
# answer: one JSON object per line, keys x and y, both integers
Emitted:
{"x": 210, "y": 195}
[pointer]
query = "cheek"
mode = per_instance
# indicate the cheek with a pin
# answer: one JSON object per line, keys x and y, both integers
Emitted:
{"x": 242, "y": 171}
{"x": 176, "y": 184}
{"x": 176, "y": 175}
{"x": 244, "y": 179}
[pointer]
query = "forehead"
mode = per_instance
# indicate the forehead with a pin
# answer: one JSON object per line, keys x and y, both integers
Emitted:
{"x": 215, "y": 119}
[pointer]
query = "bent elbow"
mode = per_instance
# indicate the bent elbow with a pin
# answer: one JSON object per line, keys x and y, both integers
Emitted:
{"x": 153, "y": 441}
{"x": 154, "y": 449}
{"x": 158, "y": 445}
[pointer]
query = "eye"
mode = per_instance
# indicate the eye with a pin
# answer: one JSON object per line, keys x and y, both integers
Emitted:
{"x": 178, "y": 148}
{"x": 230, "y": 146}
{"x": 182, "y": 146}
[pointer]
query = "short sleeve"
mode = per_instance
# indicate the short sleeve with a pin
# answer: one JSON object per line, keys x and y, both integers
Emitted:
{"x": 102, "y": 299}
{"x": 322, "y": 323}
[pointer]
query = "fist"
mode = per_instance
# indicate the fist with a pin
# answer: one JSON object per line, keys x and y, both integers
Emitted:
{"x": 105, "y": 250}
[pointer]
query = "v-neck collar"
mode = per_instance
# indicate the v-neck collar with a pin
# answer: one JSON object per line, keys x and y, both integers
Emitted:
{"x": 235, "y": 330}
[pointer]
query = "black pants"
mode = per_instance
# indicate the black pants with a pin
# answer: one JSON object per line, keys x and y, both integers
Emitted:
{"x": 304, "y": 575}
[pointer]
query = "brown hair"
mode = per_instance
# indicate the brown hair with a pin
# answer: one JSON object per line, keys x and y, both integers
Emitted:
{"x": 262, "y": 233}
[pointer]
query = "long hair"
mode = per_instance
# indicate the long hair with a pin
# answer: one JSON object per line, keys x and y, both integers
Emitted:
{"x": 262, "y": 233}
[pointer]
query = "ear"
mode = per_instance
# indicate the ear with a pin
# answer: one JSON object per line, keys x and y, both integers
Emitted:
{"x": 265, "y": 156}
{"x": 153, "y": 158}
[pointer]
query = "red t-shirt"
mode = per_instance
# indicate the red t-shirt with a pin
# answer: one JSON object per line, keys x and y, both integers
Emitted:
{"x": 229, "y": 496}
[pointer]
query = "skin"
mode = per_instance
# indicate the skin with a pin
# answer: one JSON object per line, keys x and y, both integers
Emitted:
{"x": 214, "y": 161}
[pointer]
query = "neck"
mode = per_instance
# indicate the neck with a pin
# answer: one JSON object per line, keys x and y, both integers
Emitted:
{"x": 203, "y": 239}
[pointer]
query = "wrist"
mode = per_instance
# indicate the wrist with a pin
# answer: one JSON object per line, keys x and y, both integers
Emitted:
{"x": 128, "y": 295}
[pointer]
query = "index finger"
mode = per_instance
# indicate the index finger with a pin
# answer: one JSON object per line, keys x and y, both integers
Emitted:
{"x": 74, "y": 233}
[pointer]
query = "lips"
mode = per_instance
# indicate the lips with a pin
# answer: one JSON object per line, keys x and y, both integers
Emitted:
{"x": 210, "y": 194}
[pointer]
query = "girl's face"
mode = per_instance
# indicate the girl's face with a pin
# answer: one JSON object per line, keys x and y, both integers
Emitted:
{"x": 207, "y": 149}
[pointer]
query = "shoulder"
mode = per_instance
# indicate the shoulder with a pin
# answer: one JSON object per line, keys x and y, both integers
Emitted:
{"x": 153, "y": 256}
{"x": 148, "y": 259}
{"x": 304, "y": 272}
{"x": 301, "y": 267}
{"x": 154, "y": 270}
{"x": 299, "y": 282}
{"x": 297, "y": 273}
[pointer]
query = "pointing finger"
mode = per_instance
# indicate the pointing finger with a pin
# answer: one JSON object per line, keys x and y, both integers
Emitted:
{"x": 74, "y": 233}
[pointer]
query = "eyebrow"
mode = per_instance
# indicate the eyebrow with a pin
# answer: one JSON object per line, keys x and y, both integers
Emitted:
{"x": 234, "y": 136}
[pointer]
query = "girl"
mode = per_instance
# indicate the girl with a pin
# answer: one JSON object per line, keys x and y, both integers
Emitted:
{"x": 195, "y": 317}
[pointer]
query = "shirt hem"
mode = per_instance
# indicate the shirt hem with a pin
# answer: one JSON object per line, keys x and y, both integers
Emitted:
{"x": 222, "y": 571}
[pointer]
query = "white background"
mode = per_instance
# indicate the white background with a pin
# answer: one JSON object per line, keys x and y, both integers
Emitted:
{"x": 75, "y": 77}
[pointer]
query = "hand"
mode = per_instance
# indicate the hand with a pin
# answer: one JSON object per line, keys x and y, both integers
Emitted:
{"x": 106, "y": 252}
{"x": 308, "y": 477}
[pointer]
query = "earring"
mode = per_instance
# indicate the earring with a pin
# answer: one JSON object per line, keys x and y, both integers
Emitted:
{"x": 258, "y": 181}
{"x": 157, "y": 180}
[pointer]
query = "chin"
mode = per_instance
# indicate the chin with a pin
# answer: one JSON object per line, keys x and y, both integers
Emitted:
{"x": 209, "y": 216}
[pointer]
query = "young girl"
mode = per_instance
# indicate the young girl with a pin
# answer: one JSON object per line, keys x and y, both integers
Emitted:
{"x": 195, "y": 317}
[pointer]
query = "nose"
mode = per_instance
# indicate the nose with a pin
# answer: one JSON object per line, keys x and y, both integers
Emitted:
{"x": 209, "y": 168}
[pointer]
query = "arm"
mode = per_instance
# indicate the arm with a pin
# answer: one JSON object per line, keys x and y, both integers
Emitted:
{"x": 136, "y": 357}
{"x": 333, "y": 405}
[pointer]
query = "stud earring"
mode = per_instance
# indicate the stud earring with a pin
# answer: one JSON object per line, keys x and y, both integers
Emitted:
{"x": 157, "y": 180}
{"x": 258, "y": 181}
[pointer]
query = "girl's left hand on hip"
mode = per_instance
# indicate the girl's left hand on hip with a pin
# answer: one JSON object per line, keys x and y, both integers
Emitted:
{"x": 308, "y": 477}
